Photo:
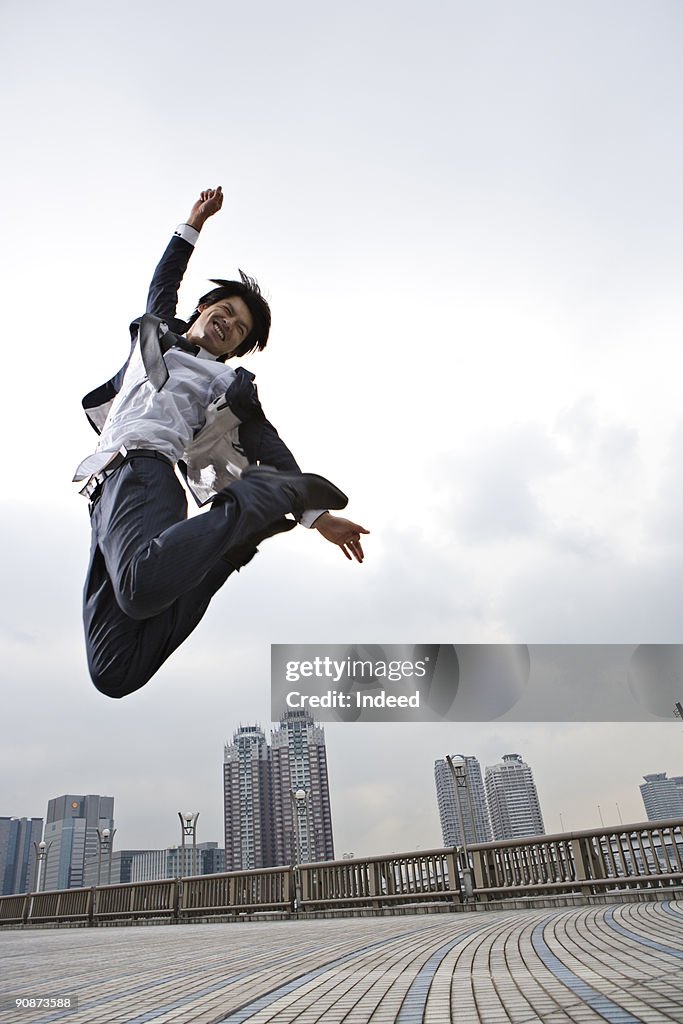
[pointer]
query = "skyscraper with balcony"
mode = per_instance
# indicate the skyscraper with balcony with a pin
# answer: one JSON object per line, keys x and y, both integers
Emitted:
{"x": 247, "y": 799}
{"x": 277, "y": 798}
{"x": 301, "y": 793}
{"x": 663, "y": 798}
{"x": 71, "y": 837}
{"x": 513, "y": 800}
{"x": 462, "y": 803}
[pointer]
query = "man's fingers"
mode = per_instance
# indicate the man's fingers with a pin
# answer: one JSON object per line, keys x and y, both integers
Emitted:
{"x": 214, "y": 195}
{"x": 354, "y": 546}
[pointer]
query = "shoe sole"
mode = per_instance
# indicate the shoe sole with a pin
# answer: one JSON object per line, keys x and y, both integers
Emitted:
{"x": 320, "y": 492}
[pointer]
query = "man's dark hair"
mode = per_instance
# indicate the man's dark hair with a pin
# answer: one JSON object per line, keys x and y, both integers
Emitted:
{"x": 248, "y": 290}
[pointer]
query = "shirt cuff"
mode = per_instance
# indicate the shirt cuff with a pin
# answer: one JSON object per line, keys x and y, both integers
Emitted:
{"x": 309, "y": 517}
{"x": 189, "y": 234}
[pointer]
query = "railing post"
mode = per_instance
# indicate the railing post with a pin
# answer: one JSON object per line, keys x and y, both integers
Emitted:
{"x": 92, "y": 899}
{"x": 372, "y": 879}
{"x": 583, "y": 872}
{"x": 478, "y": 870}
{"x": 297, "y": 887}
{"x": 177, "y": 899}
{"x": 288, "y": 893}
{"x": 454, "y": 876}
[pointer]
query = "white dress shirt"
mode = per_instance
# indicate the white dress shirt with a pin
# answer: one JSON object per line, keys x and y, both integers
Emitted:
{"x": 187, "y": 419}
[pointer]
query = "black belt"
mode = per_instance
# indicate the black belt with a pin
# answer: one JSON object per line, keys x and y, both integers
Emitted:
{"x": 93, "y": 488}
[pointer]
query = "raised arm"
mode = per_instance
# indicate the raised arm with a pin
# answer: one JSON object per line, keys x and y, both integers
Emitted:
{"x": 162, "y": 298}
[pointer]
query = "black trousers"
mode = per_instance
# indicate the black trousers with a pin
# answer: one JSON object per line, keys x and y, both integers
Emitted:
{"x": 153, "y": 571}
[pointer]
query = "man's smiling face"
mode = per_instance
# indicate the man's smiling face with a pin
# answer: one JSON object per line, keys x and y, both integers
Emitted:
{"x": 221, "y": 327}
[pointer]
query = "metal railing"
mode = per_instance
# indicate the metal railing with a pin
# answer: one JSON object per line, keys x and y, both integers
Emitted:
{"x": 647, "y": 856}
{"x": 238, "y": 891}
{"x": 643, "y": 855}
{"x": 136, "y": 900}
{"x": 406, "y": 878}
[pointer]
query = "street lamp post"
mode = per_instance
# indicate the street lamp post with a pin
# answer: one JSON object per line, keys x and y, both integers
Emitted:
{"x": 299, "y": 802}
{"x": 42, "y": 849}
{"x": 458, "y": 767}
{"x": 301, "y": 805}
{"x": 188, "y": 824}
{"x": 105, "y": 840}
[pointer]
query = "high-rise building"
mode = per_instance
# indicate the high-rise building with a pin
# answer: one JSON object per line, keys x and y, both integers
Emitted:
{"x": 73, "y": 844}
{"x": 512, "y": 798}
{"x": 121, "y": 867}
{"x": 18, "y": 854}
{"x": 277, "y": 798}
{"x": 177, "y": 862}
{"x": 248, "y": 805}
{"x": 301, "y": 793}
{"x": 663, "y": 798}
{"x": 462, "y": 802}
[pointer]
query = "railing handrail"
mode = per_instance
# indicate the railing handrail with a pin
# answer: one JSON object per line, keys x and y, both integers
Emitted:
{"x": 556, "y": 837}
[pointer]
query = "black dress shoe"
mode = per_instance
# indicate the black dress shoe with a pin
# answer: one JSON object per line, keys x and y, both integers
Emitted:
{"x": 304, "y": 490}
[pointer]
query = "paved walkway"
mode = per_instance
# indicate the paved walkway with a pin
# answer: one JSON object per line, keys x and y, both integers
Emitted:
{"x": 621, "y": 964}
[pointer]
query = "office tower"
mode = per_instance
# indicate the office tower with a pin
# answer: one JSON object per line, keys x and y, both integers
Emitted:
{"x": 18, "y": 854}
{"x": 121, "y": 867}
{"x": 663, "y": 798}
{"x": 71, "y": 835}
{"x": 247, "y": 801}
{"x": 149, "y": 866}
{"x": 177, "y": 862}
{"x": 462, "y": 802}
{"x": 301, "y": 796}
{"x": 512, "y": 799}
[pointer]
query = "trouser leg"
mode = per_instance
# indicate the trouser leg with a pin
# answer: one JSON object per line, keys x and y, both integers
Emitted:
{"x": 154, "y": 554}
{"x": 140, "y": 542}
{"x": 124, "y": 653}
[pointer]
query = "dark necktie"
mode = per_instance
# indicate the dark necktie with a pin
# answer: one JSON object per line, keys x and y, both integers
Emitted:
{"x": 153, "y": 344}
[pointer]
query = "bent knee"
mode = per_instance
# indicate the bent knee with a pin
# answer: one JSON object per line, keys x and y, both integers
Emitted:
{"x": 140, "y": 606}
{"x": 112, "y": 684}
{"x": 116, "y": 677}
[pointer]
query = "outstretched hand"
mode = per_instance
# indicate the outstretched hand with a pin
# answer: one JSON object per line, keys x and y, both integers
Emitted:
{"x": 209, "y": 202}
{"x": 343, "y": 533}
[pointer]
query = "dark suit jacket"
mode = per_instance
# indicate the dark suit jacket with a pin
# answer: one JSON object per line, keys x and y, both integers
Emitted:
{"x": 259, "y": 441}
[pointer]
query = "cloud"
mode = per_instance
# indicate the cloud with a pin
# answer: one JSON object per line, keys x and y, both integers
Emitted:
{"x": 665, "y": 514}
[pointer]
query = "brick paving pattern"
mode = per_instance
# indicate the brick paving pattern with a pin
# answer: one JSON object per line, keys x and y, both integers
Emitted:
{"x": 619, "y": 963}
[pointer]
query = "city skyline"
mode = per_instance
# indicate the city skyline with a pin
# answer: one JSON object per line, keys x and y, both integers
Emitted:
{"x": 163, "y": 835}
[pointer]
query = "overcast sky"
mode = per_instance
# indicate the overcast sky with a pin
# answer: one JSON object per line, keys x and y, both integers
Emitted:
{"x": 467, "y": 219}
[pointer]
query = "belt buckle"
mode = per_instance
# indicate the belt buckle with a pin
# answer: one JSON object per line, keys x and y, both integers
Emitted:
{"x": 92, "y": 486}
